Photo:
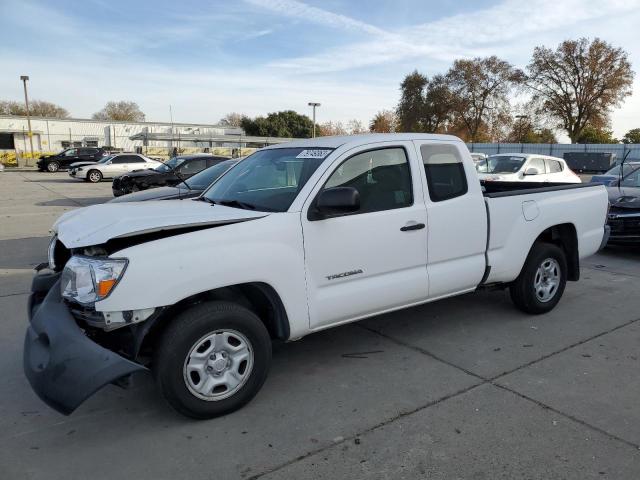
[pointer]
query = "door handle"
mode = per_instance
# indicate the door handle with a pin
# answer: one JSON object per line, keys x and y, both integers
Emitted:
{"x": 412, "y": 226}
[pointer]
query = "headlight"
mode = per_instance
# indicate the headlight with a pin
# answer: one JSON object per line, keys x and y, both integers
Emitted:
{"x": 86, "y": 279}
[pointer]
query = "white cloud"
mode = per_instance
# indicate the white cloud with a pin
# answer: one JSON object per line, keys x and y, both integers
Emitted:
{"x": 311, "y": 14}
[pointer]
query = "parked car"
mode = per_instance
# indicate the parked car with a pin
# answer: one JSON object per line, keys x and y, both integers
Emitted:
{"x": 175, "y": 171}
{"x": 112, "y": 166}
{"x": 296, "y": 238}
{"x": 624, "y": 210}
{"x": 526, "y": 167}
{"x": 613, "y": 175}
{"x": 62, "y": 160}
{"x": 191, "y": 187}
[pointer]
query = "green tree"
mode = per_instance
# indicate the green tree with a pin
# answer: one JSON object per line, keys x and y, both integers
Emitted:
{"x": 123, "y": 111}
{"x": 632, "y": 136}
{"x": 411, "y": 107}
{"x": 286, "y": 123}
{"x": 578, "y": 83}
{"x": 591, "y": 134}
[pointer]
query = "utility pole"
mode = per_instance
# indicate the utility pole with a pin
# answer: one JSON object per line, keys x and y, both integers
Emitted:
{"x": 314, "y": 105}
{"x": 24, "y": 79}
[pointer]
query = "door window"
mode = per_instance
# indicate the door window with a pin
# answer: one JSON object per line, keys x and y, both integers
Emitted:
{"x": 382, "y": 178}
{"x": 554, "y": 166}
{"x": 72, "y": 152}
{"x": 120, "y": 159}
{"x": 193, "y": 166}
{"x": 537, "y": 163}
{"x": 444, "y": 170}
{"x": 135, "y": 159}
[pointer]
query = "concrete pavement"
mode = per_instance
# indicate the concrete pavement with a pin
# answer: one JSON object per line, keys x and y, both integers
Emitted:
{"x": 463, "y": 388}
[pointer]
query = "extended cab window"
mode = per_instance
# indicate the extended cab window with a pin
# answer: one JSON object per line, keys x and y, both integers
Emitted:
{"x": 445, "y": 171}
{"x": 382, "y": 178}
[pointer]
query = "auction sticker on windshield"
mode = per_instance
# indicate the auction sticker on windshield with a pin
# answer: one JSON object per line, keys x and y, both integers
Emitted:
{"x": 315, "y": 153}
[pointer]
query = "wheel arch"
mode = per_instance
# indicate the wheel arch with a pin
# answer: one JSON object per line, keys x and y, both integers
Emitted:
{"x": 261, "y": 298}
{"x": 566, "y": 237}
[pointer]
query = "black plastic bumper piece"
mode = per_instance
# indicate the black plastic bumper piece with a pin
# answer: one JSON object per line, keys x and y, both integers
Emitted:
{"x": 605, "y": 237}
{"x": 64, "y": 366}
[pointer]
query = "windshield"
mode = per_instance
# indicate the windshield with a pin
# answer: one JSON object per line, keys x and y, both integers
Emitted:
{"x": 501, "y": 164}
{"x": 170, "y": 164}
{"x": 206, "y": 177}
{"x": 631, "y": 176}
{"x": 268, "y": 180}
{"x": 105, "y": 159}
{"x": 628, "y": 169}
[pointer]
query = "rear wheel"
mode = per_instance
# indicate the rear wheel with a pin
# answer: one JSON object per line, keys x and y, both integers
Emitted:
{"x": 53, "y": 167}
{"x": 212, "y": 359}
{"x": 94, "y": 176}
{"x": 541, "y": 282}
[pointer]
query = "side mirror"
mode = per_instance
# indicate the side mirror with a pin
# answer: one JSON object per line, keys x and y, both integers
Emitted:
{"x": 532, "y": 171}
{"x": 336, "y": 201}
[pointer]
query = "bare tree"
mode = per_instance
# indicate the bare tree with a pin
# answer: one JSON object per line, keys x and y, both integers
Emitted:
{"x": 480, "y": 91}
{"x": 37, "y": 108}
{"x": 579, "y": 83}
{"x": 384, "y": 121}
{"x": 331, "y": 128}
{"x": 354, "y": 127}
{"x": 120, "y": 111}
{"x": 233, "y": 119}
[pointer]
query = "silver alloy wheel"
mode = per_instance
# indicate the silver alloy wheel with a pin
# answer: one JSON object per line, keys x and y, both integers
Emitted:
{"x": 52, "y": 167}
{"x": 218, "y": 365}
{"x": 94, "y": 177}
{"x": 547, "y": 280}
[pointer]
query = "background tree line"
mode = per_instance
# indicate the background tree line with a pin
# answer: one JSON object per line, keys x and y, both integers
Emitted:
{"x": 572, "y": 88}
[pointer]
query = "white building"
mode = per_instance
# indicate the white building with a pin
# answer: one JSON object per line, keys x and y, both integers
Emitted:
{"x": 55, "y": 134}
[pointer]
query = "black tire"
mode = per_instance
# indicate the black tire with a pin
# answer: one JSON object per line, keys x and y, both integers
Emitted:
{"x": 523, "y": 291}
{"x": 53, "y": 167}
{"x": 183, "y": 335}
{"x": 94, "y": 176}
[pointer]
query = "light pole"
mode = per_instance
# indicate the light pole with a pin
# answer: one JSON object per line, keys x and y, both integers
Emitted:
{"x": 314, "y": 105}
{"x": 24, "y": 79}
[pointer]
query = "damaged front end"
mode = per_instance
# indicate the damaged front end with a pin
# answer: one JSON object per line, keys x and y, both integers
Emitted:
{"x": 63, "y": 365}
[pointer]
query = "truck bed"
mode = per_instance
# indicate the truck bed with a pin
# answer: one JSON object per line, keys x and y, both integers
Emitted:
{"x": 520, "y": 211}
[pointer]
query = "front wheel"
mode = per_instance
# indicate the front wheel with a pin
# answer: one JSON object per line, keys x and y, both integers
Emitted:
{"x": 541, "y": 282}
{"x": 53, "y": 167}
{"x": 94, "y": 176}
{"x": 212, "y": 359}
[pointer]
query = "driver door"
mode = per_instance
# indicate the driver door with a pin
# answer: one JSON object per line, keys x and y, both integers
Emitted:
{"x": 374, "y": 259}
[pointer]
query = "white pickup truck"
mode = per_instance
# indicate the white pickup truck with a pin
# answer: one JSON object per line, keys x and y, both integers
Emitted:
{"x": 296, "y": 238}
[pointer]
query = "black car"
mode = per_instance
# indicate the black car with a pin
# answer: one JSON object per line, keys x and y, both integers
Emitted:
{"x": 62, "y": 160}
{"x": 624, "y": 208}
{"x": 175, "y": 171}
{"x": 192, "y": 187}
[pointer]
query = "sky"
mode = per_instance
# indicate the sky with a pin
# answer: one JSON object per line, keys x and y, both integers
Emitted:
{"x": 209, "y": 58}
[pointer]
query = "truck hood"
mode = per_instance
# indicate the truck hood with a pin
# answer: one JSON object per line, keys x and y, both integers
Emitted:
{"x": 98, "y": 224}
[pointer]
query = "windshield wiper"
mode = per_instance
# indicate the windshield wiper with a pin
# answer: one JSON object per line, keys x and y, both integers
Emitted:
{"x": 235, "y": 203}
